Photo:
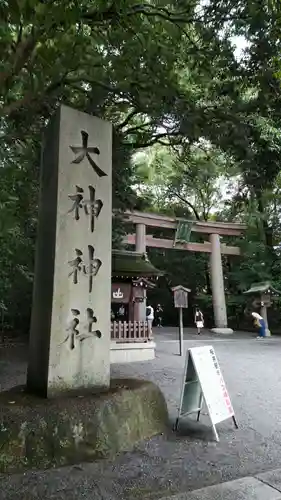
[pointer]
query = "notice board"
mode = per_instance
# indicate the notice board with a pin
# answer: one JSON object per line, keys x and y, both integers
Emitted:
{"x": 203, "y": 382}
{"x": 181, "y": 298}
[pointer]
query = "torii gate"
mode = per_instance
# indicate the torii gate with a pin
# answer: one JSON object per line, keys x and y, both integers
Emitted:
{"x": 213, "y": 229}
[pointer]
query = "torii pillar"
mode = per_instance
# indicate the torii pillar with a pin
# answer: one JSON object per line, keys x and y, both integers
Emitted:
{"x": 140, "y": 307}
{"x": 219, "y": 305}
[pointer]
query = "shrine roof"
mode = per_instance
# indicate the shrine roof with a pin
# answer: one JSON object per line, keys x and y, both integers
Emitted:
{"x": 262, "y": 287}
{"x": 132, "y": 265}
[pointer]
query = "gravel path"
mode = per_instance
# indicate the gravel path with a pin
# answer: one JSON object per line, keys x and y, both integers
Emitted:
{"x": 189, "y": 460}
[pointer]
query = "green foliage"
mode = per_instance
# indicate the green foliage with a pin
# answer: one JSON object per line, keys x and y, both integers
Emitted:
{"x": 196, "y": 129}
{"x": 18, "y": 219}
{"x": 187, "y": 176}
{"x": 114, "y": 60}
{"x": 184, "y": 268}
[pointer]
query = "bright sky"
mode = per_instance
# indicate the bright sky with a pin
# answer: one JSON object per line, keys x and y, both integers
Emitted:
{"x": 240, "y": 44}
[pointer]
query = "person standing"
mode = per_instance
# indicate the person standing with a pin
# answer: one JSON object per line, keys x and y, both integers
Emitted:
{"x": 121, "y": 312}
{"x": 260, "y": 323}
{"x": 199, "y": 320}
{"x": 149, "y": 316}
{"x": 159, "y": 312}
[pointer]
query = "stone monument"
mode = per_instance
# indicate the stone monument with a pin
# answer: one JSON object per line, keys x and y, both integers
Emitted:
{"x": 70, "y": 325}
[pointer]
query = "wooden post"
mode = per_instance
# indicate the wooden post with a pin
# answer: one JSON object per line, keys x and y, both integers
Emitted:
{"x": 181, "y": 331}
{"x": 181, "y": 301}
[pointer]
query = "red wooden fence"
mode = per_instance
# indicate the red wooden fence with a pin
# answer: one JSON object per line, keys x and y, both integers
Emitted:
{"x": 131, "y": 331}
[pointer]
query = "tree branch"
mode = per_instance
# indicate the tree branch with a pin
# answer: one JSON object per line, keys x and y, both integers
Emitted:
{"x": 197, "y": 216}
{"x": 143, "y": 8}
{"x": 163, "y": 13}
{"x": 98, "y": 17}
{"x": 23, "y": 51}
{"x": 127, "y": 119}
{"x": 90, "y": 81}
{"x": 132, "y": 130}
{"x": 8, "y": 109}
{"x": 29, "y": 99}
{"x": 157, "y": 138}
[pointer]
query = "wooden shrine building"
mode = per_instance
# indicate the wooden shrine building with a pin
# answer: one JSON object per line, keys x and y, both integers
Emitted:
{"x": 132, "y": 275}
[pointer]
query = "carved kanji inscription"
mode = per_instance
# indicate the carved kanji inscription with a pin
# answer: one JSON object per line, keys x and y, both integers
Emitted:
{"x": 86, "y": 151}
{"x": 89, "y": 268}
{"x": 92, "y": 207}
{"x": 77, "y": 334}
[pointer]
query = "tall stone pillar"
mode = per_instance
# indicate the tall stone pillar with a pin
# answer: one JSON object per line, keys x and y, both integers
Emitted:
{"x": 140, "y": 307}
{"x": 219, "y": 305}
{"x": 140, "y": 238}
{"x": 70, "y": 325}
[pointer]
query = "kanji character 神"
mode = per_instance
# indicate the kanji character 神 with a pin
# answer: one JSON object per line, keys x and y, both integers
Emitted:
{"x": 78, "y": 266}
{"x": 91, "y": 206}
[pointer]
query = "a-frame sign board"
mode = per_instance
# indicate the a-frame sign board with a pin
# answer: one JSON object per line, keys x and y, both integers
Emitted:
{"x": 203, "y": 381}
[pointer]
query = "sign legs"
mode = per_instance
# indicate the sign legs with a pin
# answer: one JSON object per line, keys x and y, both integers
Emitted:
{"x": 215, "y": 433}
{"x": 200, "y": 406}
{"x": 235, "y": 422}
{"x": 215, "y": 430}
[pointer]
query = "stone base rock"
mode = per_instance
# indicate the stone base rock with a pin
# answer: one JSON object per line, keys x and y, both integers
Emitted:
{"x": 42, "y": 433}
{"x": 224, "y": 331}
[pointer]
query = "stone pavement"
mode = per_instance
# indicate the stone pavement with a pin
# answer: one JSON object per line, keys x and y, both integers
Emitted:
{"x": 191, "y": 460}
{"x": 67, "y": 484}
{"x": 265, "y": 486}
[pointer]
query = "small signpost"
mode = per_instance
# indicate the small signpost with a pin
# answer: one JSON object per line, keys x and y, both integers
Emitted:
{"x": 180, "y": 301}
{"x": 203, "y": 381}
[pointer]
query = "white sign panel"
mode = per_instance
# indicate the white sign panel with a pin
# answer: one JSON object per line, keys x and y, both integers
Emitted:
{"x": 212, "y": 383}
{"x": 203, "y": 380}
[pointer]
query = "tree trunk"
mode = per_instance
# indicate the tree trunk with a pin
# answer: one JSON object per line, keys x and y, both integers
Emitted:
{"x": 267, "y": 230}
{"x": 208, "y": 280}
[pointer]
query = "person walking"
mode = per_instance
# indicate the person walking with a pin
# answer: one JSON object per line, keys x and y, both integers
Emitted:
{"x": 260, "y": 323}
{"x": 149, "y": 317}
{"x": 159, "y": 312}
{"x": 199, "y": 320}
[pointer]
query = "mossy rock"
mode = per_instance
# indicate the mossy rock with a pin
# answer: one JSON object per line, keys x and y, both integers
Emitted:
{"x": 42, "y": 433}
